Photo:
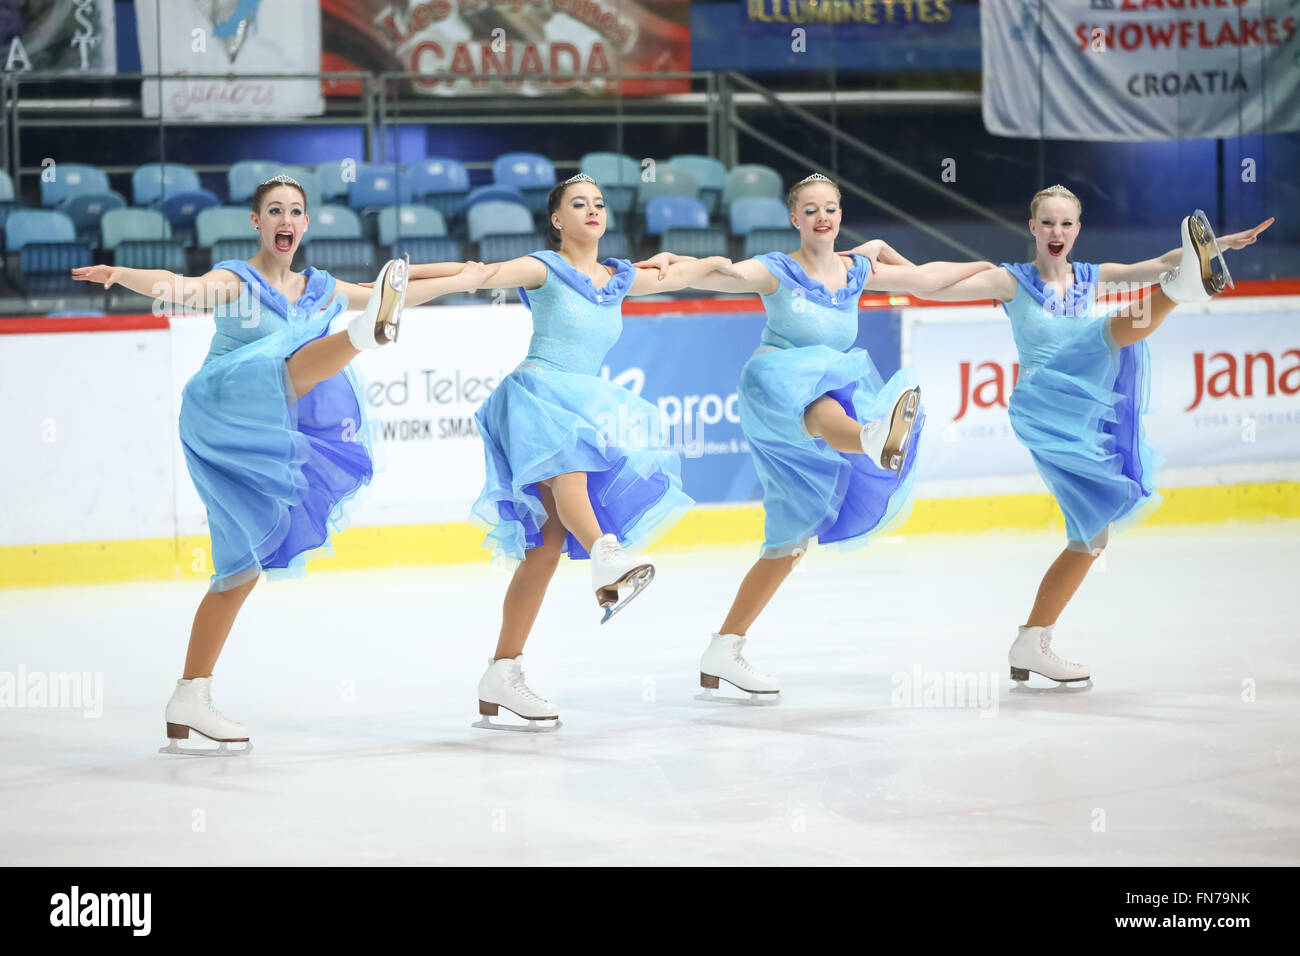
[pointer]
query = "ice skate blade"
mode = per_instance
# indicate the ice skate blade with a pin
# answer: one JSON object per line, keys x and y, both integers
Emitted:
{"x": 754, "y": 699}
{"x": 389, "y": 317}
{"x": 532, "y": 727}
{"x": 222, "y": 750}
{"x": 1020, "y": 676}
{"x": 638, "y": 579}
{"x": 900, "y": 429}
{"x": 1207, "y": 249}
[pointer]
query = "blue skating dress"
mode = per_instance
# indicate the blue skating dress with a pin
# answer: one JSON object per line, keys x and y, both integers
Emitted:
{"x": 273, "y": 473}
{"x": 554, "y": 414}
{"x": 809, "y": 488}
{"x": 1078, "y": 405}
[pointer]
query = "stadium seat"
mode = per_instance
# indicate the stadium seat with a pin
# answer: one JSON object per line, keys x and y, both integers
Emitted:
{"x": 694, "y": 241}
{"x": 152, "y": 181}
{"x": 440, "y": 183}
{"x": 751, "y": 180}
{"x": 415, "y": 222}
{"x": 379, "y": 186}
{"x": 618, "y": 176}
{"x": 245, "y": 176}
{"x": 531, "y": 173}
{"x": 150, "y": 254}
{"x": 28, "y": 226}
{"x": 496, "y": 218}
{"x": 351, "y": 260}
{"x": 132, "y": 225}
{"x": 613, "y": 245}
{"x": 758, "y": 212}
{"x": 333, "y": 222}
{"x": 86, "y": 209}
{"x": 500, "y": 248}
{"x": 493, "y": 192}
{"x": 47, "y": 250}
{"x": 427, "y": 249}
{"x": 181, "y": 209}
{"x": 337, "y": 176}
{"x": 681, "y": 211}
{"x": 667, "y": 181}
{"x": 758, "y": 241}
{"x": 6, "y": 187}
{"x": 71, "y": 179}
{"x": 224, "y": 249}
{"x": 708, "y": 172}
{"x": 223, "y": 222}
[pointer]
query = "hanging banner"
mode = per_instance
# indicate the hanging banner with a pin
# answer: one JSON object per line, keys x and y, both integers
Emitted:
{"x": 232, "y": 37}
{"x": 1140, "y": 69}
{"x": 477, "y": 41}
{"x": 70, "y": 36}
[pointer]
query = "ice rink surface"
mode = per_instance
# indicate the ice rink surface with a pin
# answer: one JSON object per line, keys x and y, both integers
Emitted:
{"x": 359, "y": 688}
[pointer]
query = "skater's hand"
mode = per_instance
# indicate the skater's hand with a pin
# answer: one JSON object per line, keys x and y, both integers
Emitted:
{"x": 661, "y": 262}
{"x": 1240, "y": 240}
{"x": 108, "y": 275}
{"x": 476, "y": 273}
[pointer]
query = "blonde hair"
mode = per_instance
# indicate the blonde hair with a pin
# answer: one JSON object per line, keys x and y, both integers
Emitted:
{"x": 1054, "y": 192}
{"x": 792, "y": 197}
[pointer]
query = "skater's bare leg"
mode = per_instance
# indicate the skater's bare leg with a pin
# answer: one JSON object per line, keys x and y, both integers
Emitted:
{"x": 574, "y": 507}
{"x": 826, "y": 419}
{"x": 1141, "y": 318}
{"x": 760, "y": 584}
{"x": 316, "y": 361}
{"x": 212, "y": 623}
{"x": 528, "y": 586}
{"x": 1058, "y": 586}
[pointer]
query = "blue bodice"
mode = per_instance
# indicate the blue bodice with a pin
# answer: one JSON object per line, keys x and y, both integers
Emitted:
{"x": 804, "y": 312}
{"x": 1042, "y": 320}
{"x": 574, "y": 323}
{"x": 259, "y": 309}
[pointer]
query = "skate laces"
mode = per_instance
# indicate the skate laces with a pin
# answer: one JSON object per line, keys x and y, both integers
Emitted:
{"x": 1045, "y": 645}
{"x": 736, "y": 648}
{"x": 518, "y": 685}
{"x": 609, "y": 549}
{"x": 205, "y": 693}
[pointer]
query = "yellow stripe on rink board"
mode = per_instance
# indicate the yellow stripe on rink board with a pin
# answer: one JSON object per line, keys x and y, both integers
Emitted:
{"x": 158, "y": 559}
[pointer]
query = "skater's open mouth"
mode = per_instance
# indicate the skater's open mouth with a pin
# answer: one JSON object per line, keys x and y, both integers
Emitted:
{"x": 1056, "y": 248}
{"x": 284, "y": 240}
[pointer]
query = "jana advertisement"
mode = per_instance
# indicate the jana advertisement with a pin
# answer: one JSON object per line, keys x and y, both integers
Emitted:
{"x": 1140, "y": 69}
{"x": 242, "y": 42}
{"x": 473, "y": 42}
{"x": 1225, "y": 388}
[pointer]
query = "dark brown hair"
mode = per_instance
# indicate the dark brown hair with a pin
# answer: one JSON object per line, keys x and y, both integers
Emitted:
{"x": 260, "y": 193}
{"x": 552, "y": 204}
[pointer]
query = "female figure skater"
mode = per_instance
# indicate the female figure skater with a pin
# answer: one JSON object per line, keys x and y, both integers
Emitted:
{"x": 1083, "y": 388}
{"x": 834, "y": 445}
{"x": 574, "y": 462}
{"x": 272, "y": 423}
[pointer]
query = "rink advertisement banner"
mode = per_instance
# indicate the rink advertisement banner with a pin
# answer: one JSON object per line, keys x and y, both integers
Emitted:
{"x": 231, "y": 37}
{"x": 70, "y": 36}
{"x": 1225, "y": 388}
{"x": 476, "y": 40}
{"x": 795, "y": 35}
{"x": 1140, "y": 69}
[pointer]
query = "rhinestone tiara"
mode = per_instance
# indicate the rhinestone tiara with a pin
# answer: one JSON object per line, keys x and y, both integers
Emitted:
{"x": 580, "y": 178}
{"x": 283, "y": 179}
{"x": 815, "y": 178}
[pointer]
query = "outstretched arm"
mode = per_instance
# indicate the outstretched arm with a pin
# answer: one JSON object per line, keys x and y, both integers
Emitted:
{"x": 684, "y": 272}
{"x": 747, "y": 276}
{"x": 468, "y": 277}
{"x": 1150, "y": 270}
{"x": 879, "y": 250}
{"x": 994, "y": 283}
{"x": 923, "y": 279}
{"x": 202, "y": 292}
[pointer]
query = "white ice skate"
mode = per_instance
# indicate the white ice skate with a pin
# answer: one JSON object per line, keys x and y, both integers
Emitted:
{"x": 1194, "y": 278}
{"x": 503, "y": 686}
{"x": 378, "y": 324}
{"x": 191, "y": 709}
{"x": 885, "y": 442}
{"x": 722, "y": 661}
{"x": 613, "y": 569}
{"x": 1032, "y": 651}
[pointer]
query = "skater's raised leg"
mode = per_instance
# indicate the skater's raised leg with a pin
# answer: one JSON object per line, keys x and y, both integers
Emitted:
{"x": 884, "y": 441}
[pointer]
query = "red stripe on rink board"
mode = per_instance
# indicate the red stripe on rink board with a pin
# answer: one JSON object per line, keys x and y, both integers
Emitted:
{"x": 86, "y": 323}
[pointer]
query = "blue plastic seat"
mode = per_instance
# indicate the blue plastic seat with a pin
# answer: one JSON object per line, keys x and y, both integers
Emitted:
{"x": 416, "y": 222}
{"x": 751, "y": 179}
{"x": 694, "y": 241}
{"x": 6, "y": 187}
{"x": 497, "y": 218}
{"x": 708, "y": 172}
{"x": 352, "y": 260}
{"x": 617, "y": 175}
{"x": 86, "y": 209}
{"x": 502, "y": 248}
{"x": 761, "y": 240}
{"x": 333, "y": 222}
{"x": 28, "y": 226}
{"x": 758, "y": 212}
{"x": 223, "y": 222}
{"x": 246, "y": 175}
{"x": 182, "y": 209}
{"x": 438, "y": 176}
{"x": 71, "y": 179}
{"x": 663, "y": 212}
{"x": 379, "y": 186}
{"x": 531, "y": 173}
{"x": 132, "y": 225}
{"x": 668, "y": 181}
{"x": 494, "y": 193}
{"x": 337, "y": 176}
{"x": 613, "y": 245}
{"x": 152, "y": 180}
{"x": 427, "y": 248}
{"x": 224, "y": 249}
{"x": 45, "y": 241}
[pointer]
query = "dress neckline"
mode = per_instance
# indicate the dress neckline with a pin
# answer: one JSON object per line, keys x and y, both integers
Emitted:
{"x": 314, "y": 289}
{"x": 612, "y": 291}
{"x": 789, "y": 272}
{"x": 1075, "y": 301}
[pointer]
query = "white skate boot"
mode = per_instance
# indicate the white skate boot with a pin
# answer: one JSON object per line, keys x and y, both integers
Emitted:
{"x": 885, "y": 442}
{"x": 1194, "y": 278}
{"x": 378, "y": 324}
{"x": 612, "y": 568}
{"x": 722, "y": 660}
{"x": 503, "y": 686}
{"x": 191, "y": 709}
{"x": 1032, "y": 651}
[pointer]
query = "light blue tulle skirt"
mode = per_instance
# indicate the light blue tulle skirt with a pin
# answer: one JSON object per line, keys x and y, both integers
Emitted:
{"x": 810, "y": 489}
{"x": 1080, "y": 416}
{"x": 541, "y": 422}
{"x": 274, "y": 474}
